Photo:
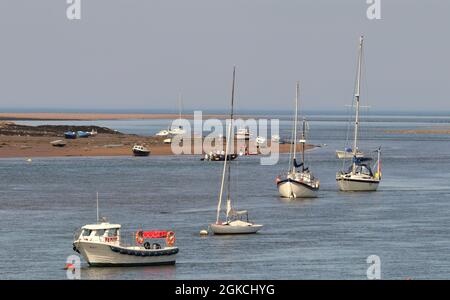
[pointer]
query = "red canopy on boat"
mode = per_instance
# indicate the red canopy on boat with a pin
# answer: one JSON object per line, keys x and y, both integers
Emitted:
{"x": 155, "y": 234}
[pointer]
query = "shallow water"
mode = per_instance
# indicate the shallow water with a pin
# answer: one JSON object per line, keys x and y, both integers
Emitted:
{"x": 406, "y": 223}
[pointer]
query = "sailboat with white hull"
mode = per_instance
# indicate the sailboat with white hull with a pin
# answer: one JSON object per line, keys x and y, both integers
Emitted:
{"x": 298, "y": 184}
{"x": 359, "y": 176}
{"x": 236, "y": 222}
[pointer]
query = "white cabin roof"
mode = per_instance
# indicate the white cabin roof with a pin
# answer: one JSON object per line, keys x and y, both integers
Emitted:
{"x": 101, "y": 226}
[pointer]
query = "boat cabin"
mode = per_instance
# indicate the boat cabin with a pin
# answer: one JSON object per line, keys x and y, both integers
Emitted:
{"x": 101, "y": 232}
{"x": 238, "y": 215}
{"x": 361, "y": 169}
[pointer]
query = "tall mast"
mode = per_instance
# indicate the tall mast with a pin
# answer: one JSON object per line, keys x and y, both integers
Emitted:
{"x": 297, "y": 88}
{"x": 303, "y": 141}
{"x": 179, "y": 105}
{"x": 228, "y": 140}
{"x": 357, "y": 95}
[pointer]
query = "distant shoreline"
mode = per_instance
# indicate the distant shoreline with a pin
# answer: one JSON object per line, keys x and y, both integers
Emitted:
{"x": 92, "y": 116}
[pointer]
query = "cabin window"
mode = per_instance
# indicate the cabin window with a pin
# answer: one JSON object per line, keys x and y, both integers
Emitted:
{"x": 111, "y": 232}
{"x": 100, "y": 232}
{"x": 86, "y": 232}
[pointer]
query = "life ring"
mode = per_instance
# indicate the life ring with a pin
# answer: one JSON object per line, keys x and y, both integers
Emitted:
{"x": 139, "y": 237}
{"x": 170, "y": 238}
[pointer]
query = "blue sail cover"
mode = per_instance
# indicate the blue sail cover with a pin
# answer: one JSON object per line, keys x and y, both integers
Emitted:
{"x": 358, "y": 160}
{"x": 349, "y": 150}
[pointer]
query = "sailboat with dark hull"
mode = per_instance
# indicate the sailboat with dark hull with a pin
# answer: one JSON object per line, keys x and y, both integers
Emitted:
{"x": 359, "y": 176}
{"x": 236, "y": 222}
{"x": 298, "y": 183}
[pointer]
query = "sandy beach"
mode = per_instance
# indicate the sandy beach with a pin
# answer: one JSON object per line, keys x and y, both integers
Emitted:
{"x": 35, "y": 141}
{"x": 100, "y": 145}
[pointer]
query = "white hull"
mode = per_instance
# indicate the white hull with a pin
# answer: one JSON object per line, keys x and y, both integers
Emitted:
{"x": 230, "y": 229}
{"x": 348, "y": 155}
{"x": 101, "y": 254}
{"x": 295, "y": 190}
{"x": 357, "y": 186}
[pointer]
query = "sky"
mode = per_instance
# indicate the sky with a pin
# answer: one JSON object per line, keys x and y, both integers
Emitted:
{"x": 136, "y": 54}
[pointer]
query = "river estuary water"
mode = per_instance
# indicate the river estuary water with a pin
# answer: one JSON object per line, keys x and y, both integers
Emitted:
{"x": 406, "y": 223}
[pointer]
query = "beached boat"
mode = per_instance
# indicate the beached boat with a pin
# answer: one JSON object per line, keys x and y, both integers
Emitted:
{"x": 236, "y": 222}
{"x": 275, "y": 138}
{"x": 243, "y": 134}
{"x": 178, "y": 130}
{"x": 93, "y": 132}
{"x": 70, "y": 135}
{"x": 58, "y": 143}
{"x": 163, "y": 133}
{"x": 218, "y": 156}
{"x": 260, "y": 140}
{"x": 83, "y": 134}
{"x": 297, "y": 184}
{"x": 140, "y": 150}
{"x": 100, "y": 245}
{"x": 359, "y": 175}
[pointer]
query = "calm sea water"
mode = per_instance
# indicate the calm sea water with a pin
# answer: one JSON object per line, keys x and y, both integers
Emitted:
{"x": 406, "y": 223}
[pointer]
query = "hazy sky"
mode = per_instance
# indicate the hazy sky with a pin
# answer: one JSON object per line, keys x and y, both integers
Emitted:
{"x": 138, "y": 54}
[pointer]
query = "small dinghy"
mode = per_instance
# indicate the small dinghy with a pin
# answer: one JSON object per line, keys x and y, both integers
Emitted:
{"x": 101, "y": 245}
{"x": 140, "y": 150}
{"x": 83, "y": 134}
{"x": 58, "y": 143}
{"x": 70, "y": 135}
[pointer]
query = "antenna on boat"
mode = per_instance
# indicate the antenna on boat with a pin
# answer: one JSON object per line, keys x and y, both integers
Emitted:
{"x": 97, "y": 209}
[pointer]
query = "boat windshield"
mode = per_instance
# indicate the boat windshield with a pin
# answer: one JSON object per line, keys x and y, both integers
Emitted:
{"x": 362, "y": 169}
{"x": 86, "y": 232}
{"x": 111, "y": 232}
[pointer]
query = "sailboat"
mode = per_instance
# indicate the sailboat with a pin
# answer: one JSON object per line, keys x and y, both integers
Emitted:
{"x": 236, "y": 222}
{"x": 179, "y": 129}
{"x": 359, "y": 176}
{"x": 298, "y": 184}
{"x": 171, "y": 131}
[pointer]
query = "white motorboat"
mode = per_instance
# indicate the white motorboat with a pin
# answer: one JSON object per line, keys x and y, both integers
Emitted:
{"x": 234, "y": 222}
{"x": 100, "y": 245}
{"x": 348, "y": 153}
{"x": 163, "y": 133}
{"x": 140, "y": 150}
{"x": 177, "y": 131}
{"x": 297, "y": 183}
{"x": 243, "y": 134}
{"x": 260, "y": 140}
{"x": 359, "y": 176}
